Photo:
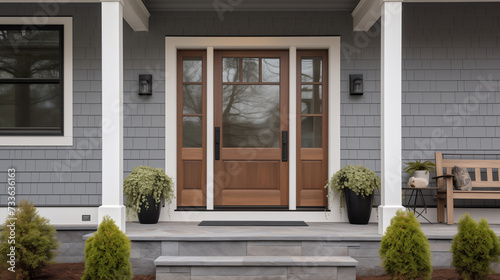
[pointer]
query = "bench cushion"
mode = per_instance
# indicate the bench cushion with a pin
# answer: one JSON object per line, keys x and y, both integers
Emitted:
{"x": 461, "y": 179}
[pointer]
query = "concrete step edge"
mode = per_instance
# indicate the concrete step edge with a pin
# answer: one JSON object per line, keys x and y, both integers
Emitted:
{"x": 338, "y": 261}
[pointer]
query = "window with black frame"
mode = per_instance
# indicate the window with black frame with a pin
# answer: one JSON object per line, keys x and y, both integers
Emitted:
{"x": 31, "y": 80}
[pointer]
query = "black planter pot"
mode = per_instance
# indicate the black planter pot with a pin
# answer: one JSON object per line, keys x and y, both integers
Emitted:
{"x": 359, "y": 208}
{"x": 150, "y": 215}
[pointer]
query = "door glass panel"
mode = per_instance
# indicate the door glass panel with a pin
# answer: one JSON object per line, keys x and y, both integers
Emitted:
{"x": 312, "y": 69}
{"x": 230, "y": 69}
{"x": 312, "y": 99}
{"x": 270, "y": 70}
{"x": 250, "y": 70}
{"x": 192, "y": 70}
{"x": 251, "y": 116}
{"x": 191, "y": 132}
{"x": 311, "y": 132}
{"x": 191, "y": 99}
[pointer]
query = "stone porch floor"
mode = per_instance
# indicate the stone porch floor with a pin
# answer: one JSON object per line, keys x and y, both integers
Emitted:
{"x": 360, "y": 242}
{"x": 189, "y": 231}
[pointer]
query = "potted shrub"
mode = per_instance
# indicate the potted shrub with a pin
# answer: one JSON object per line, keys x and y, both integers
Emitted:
{"x": 418, "y": 169}
{"x": 355, "y": 185}
{"x": 144, "y": 189}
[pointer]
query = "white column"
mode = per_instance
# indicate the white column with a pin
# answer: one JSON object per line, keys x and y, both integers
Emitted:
{"x": 112, "y": 113}
{"x": 292, "y": 130}
{"x": 334, "y": 109}
{"x": 210, "y": 129}
{"x": 391, "y": 76}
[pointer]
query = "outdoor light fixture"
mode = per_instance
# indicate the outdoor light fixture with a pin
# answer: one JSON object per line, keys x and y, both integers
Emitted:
{"x": 145, "y": 84}
{"x": 356, "y": 84}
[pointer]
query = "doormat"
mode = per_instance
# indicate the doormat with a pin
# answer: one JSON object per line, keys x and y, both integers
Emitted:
{"x": 254, "y": 223}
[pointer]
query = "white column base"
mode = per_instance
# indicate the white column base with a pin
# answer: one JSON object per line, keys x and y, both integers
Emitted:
{"x": 385, "y": 214}
{"x": 116, "y": 212}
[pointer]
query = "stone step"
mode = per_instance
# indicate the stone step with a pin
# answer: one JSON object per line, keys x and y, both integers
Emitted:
{"x": 255, "y": 268}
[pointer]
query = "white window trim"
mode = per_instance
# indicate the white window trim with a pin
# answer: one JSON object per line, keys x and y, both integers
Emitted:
{"x": 172, "y": 44}
{"x": 67, "y": 138}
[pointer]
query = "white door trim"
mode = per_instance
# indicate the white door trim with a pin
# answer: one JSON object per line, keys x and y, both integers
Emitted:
{"x": 172, "y": 44}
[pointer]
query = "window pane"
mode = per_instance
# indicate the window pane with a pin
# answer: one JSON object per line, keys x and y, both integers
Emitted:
{"x": 192, "y": 70}
{"x": 251, "y": 116}
{"x": 230, "y": 69}
{"x": 30, "y": 106}
{"x": 250, "y": 70}
{"x": 311, "y": 132}
{"x": 29, "y": 53}
{"x": 191, "y": 128}
{"x": 312, "y": 99}
{"x": 270, "y": 70}
{"x": 312, "y": 69}
{"x": 192, "y": 99}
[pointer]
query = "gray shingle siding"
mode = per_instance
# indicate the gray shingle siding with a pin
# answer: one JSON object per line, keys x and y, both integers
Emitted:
{"x": 65, "y": 175}
{"x": 451, "y": 86}
{"x": 450, "y": 89}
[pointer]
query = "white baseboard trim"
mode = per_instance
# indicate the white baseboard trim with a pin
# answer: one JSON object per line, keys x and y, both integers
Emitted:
{"x": 62, "y": 215}
{"x": 72, "y": 216}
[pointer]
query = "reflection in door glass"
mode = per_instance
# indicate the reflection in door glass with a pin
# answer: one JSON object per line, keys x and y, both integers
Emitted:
{"x": 192, "y": 99}
{"x": 311, "y": 69}
{"x": 192, "y": 70}
{"x": 311, "y": 132}
{"x": 191, "y": 132}
{"x": 270, "y": 70}
{"x": 312, "y": 99}
{"x": 230, "y": 69}
{"x": 250, "y": 70}
{"x": 251, "y": 116}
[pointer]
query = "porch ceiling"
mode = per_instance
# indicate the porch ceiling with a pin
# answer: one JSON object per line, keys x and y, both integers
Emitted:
{"x": 251, "y": 5}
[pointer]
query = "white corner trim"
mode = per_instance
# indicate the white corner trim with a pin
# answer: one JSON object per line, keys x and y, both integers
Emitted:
{"x": 210, "y": 131}
{"x": 292, "y": 129}
{"x": 172, "y": 44}
{"x": 67, "y": 139}
{"x": 334, "y": 111}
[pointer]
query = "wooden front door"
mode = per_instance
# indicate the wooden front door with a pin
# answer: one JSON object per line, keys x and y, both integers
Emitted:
{"x": 251, "y": 128}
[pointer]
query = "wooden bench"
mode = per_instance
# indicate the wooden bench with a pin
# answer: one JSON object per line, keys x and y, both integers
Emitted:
{"x": 488, "y": 189}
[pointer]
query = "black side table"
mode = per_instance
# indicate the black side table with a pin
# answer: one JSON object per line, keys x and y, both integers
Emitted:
{"x": 416, "y": 194}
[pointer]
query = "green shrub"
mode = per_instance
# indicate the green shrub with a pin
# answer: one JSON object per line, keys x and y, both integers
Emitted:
{"x": 405, "y": 250}
{"x": 144, "y": 181}
{"x": 107, "y": 253}
{"x": 35, "y": 242}
{"x": 475, "y": 247}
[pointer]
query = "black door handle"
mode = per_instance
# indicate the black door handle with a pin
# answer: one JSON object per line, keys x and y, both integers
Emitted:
{"x": 284, "y": 146}
{"x": 217, "y": 143}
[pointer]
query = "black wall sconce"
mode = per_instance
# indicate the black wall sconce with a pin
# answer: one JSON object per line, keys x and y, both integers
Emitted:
{"x": 356, "y": 84}
{"x": 145, "y": 84}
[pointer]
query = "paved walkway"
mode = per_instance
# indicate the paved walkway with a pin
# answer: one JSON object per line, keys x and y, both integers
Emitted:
{"x": 185, "y": 231}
